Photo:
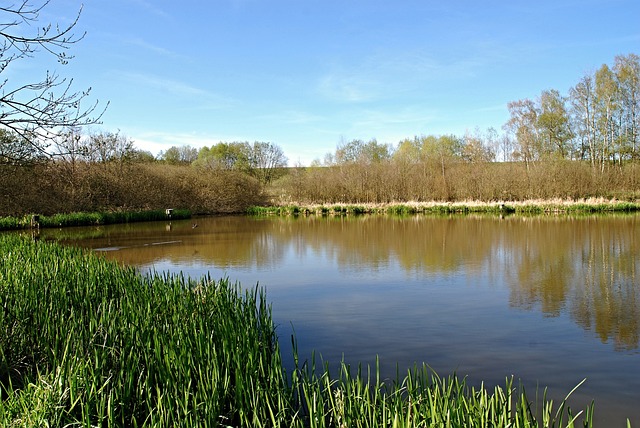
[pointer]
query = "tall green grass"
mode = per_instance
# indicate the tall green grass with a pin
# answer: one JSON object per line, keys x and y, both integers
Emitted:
{"x": 88, "y": 219}
{"x": 86, "y": 342}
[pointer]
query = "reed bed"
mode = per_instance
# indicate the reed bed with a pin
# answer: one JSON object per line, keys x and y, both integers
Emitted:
{"x": 89, "y": 219}
{"x": 91, "y": 343}
{"x": 86, "y": 342}
{"x": 554, "y": 206}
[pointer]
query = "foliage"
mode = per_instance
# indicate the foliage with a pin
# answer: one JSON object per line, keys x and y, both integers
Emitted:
{"x": 90, "y": 343}
{"x": 182, "y": 155}
{"x": 64, "y": 187}
{"x": 424, "y": 181}
{"x": 598, "y": 121}
{"x": 261, "y": 160}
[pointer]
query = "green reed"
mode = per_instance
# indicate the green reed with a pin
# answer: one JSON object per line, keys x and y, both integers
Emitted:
{"x": 86, "y": 342}
{"x": 88, "y": 219}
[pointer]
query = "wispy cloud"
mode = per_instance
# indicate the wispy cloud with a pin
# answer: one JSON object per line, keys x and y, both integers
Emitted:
{"x": 293, "y": 117}
{"x": 387, "y": 74}
{"x": 174, "y": 87}
{"x": 150, "y": 7}
{"x": 410, "y": 119}
{"x": 143, "y": 44}
{"x": 348, "y": 87}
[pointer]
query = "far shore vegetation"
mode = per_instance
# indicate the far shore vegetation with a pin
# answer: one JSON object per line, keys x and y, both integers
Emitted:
{"x": 574, "y": 147}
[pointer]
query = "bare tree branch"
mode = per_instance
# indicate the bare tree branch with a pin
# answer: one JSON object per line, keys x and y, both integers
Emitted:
{"x": 39, "y": 112}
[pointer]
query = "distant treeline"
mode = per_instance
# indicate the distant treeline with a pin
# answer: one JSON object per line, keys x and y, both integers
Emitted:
{"x": 585, "y": 144}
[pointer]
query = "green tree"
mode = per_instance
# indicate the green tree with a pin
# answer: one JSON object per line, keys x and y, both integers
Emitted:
{"x": 627, "y": 70}
{"x": 266, "y": 161}
{"x": 38, "y": 112}
{"x": 408, "y": 151}
{"x": 15, "y": 151}
{"x": 441, "y": 152}
{"x": 554, "y": 124}
{"x": 357, "y": 151}
{"x": 523, "y": 126}
{"x": 179, "y": 155}
{"x": 227, "y": 156}
{"x": 583, "y": 101}
{"x": 607, "y": 108}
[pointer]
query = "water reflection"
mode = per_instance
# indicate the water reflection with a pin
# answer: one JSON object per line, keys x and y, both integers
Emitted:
{"x": 547, "y": 299}
{"x": 585, "y": 266}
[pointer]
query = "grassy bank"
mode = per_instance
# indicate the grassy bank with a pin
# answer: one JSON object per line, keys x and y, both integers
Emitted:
{"x": 89, "y": 219}
{"x": 89, "y": 343}
{"x": 525, "y": 207}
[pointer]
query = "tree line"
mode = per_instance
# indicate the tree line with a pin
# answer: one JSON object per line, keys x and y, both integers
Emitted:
{"x": 585, "y": 143}
{"x": 598, "y": 121}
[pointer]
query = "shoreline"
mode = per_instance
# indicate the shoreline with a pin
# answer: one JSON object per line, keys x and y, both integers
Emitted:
{"x": 528, "y": 207}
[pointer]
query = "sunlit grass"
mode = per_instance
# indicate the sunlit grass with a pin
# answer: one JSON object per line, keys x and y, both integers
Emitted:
{"x": 553, "y": 206}
{"x": 89, "y": 219}
{"x": 86, "y": 342}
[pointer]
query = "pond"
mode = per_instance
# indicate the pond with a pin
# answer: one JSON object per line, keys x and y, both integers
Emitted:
{"x": 549, "y": 300}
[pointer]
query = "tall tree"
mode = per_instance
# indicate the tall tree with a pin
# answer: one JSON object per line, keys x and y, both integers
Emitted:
{"x": 475, "y": 150}
{"x": 408, "y": 151}
{"x": 266, "y": 159}
{"x": 607, "y": 108}
{"x": 357, "y": 151}
{"x": 225, "y": 156}
{"x": 38, "y": 112}
{"x": 627, "y": 70}
{"x": 179, "y": 155}
{"x": 554, "y": 125}
{"x": 583, "y": 102}
{"x": 109, "y": 146}
{"x": 523, "y": 126}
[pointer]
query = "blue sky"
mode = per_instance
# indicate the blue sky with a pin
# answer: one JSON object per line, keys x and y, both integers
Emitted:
{"x": 307, "y": 74}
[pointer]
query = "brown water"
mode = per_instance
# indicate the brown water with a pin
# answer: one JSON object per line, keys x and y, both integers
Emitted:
{"x": 548, "y": 300}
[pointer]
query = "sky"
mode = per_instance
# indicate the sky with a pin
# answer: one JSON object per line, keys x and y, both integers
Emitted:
{"x": 308, "y": 75}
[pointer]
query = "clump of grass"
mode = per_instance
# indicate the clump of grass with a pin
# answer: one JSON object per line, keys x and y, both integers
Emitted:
{"x": 87, "y": 343}
{"x": 260, "y": 211}
{"x": 401, "y": 209}
{"x": 531, "y": 207}
{"x": 88, "y": 219}
{"x": 421, "y": 398}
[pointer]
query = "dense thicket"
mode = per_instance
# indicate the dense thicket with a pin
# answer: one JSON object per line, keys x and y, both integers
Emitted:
{"x": 391, "y": 181}
{"x": 58, "y": 187}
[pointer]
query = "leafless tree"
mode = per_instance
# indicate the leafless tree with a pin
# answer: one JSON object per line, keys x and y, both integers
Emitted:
{"x": 38, "y": 112}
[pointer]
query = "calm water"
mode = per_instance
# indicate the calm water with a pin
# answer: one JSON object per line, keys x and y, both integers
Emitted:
{"x": 549, "y": 300}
